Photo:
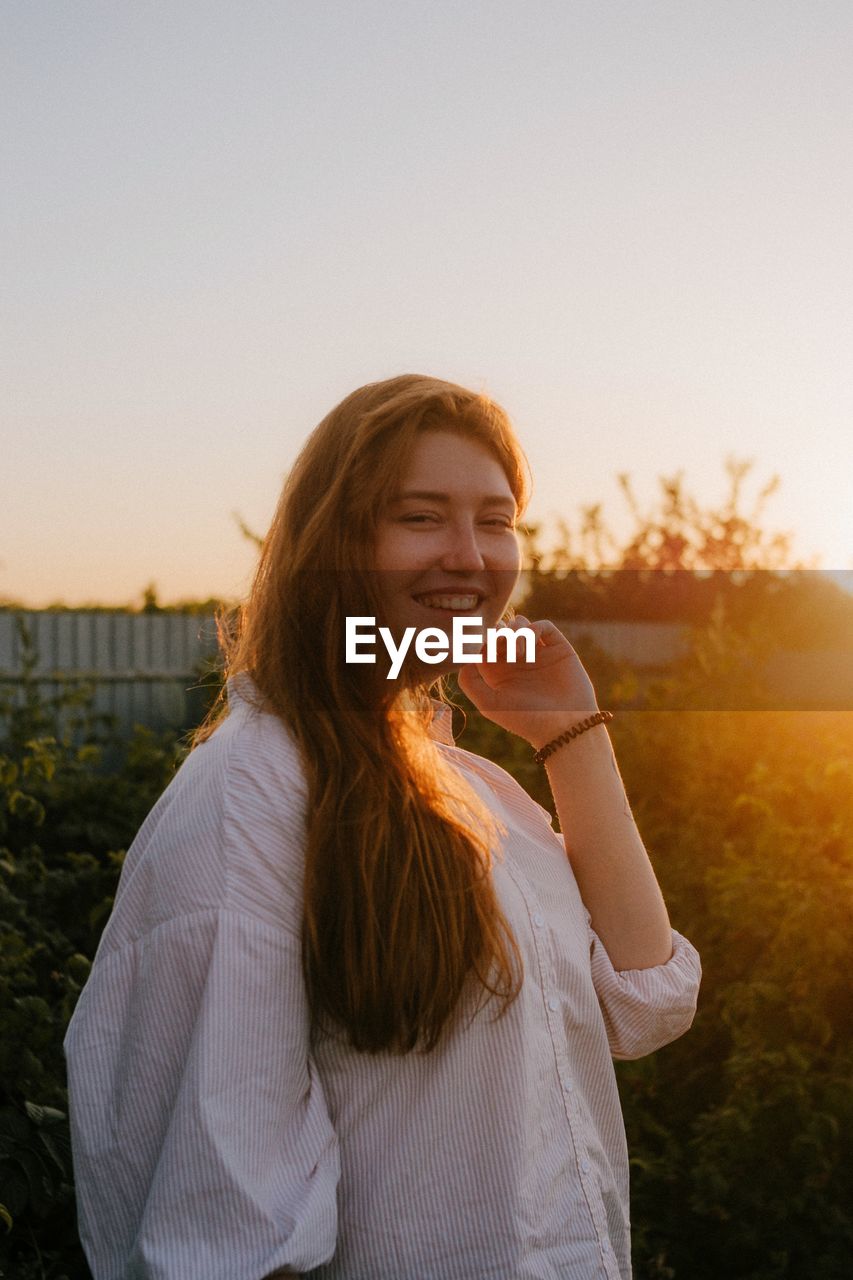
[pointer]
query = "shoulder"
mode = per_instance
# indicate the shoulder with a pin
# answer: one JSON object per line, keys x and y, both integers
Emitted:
{"x": 255, "y": 750}
{"x": 249, "y": 774}
{"x": 229, "y": 832}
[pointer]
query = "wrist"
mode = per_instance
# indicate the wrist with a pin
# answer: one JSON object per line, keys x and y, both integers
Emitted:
{"x": 568, "y": 735}
{"x": 546, "y": 726}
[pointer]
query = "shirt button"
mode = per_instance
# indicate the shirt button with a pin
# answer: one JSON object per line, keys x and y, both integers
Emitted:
{"x": 553, "y": 1004}
{"x": 568, "y": 1086}
{"x": 584, "y": 1166}
{"x": 538, "y": 919}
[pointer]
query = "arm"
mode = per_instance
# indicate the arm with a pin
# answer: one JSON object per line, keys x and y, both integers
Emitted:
{"x": 611, "y": 866}
{"x": 202, "y": 1141}
{"x": 539, "y": 700}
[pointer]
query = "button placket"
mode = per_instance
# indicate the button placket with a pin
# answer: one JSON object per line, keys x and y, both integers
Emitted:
{"x": 557, "y": 1033}
{"x": 544, "y": 944}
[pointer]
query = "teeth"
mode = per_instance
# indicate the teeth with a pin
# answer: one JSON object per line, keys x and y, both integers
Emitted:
{"x": 449, "y": 602}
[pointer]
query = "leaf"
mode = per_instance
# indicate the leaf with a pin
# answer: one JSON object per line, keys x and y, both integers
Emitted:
{"x": 8, "y": 772}
{"x": 46, "y": 1116}
{"x": 25, "y": 806}
{"x": 79, "y": 966}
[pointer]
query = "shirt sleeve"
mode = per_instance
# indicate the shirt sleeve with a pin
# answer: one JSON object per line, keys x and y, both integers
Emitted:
{"x": 202, "y": 1143}
{"x": 645, "y": 1009}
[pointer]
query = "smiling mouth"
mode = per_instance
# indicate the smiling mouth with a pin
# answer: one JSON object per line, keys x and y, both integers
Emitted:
{"x": 455, "y": 602}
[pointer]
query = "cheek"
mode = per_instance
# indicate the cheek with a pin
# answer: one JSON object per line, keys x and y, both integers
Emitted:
{"x": 510, "y": 555}
{"x": 399, "y": 550}
{"x": 395, "y": 556}
{"x": 387, "y": 550}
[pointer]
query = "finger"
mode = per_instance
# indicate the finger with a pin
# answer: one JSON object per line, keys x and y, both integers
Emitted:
{"x": 518, "y": 623}
{"x": 549, "y": 633}
{"x": 474, "y": 686}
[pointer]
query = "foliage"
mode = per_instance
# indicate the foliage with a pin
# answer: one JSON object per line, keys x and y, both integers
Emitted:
{"x": 64, "y": 825}
{"x": 683, "y": 563}
{"x": 678, "y": 534}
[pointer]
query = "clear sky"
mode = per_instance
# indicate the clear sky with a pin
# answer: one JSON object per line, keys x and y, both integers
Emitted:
{"x": 629, "y": 222}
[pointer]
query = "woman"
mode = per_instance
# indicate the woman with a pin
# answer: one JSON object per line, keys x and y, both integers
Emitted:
{"x": 355, "y": 1010}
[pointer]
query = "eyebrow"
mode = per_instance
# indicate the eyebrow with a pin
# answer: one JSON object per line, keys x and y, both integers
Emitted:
{"x": 431, "y": 495}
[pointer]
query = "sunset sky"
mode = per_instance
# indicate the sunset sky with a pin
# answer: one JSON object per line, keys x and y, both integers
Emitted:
{"x": 628, "y": 222}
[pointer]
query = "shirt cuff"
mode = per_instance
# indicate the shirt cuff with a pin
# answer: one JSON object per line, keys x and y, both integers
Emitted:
{"x": 644, "y": 1009}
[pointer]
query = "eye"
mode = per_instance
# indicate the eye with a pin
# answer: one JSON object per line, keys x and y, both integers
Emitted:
{"x": 418, "y": 518}
{"x": 501, "y": 522}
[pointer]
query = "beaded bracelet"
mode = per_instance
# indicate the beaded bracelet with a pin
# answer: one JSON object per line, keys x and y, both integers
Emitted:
{"x": 600, "y": 717}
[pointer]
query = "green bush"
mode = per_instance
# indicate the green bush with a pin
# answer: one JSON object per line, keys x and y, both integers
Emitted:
{"x": 64, "y": 826}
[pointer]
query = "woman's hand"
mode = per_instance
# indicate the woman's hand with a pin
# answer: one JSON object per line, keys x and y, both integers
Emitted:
{"x": 539, "y": 699}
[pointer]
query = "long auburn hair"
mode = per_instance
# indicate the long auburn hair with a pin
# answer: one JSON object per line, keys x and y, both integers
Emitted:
{"x": 400, "y": 911}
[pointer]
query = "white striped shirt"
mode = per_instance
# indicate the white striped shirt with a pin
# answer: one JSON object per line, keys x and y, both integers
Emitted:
{"x": 217, "y": 1135}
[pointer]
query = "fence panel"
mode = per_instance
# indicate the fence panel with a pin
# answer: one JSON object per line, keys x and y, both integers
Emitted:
{"x": 143, "y": 668}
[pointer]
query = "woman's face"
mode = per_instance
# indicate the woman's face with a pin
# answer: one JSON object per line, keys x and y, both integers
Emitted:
{"x": 446, "y": 543}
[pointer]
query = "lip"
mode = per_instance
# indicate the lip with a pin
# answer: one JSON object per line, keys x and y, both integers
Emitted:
{"x": 474, "y": 611}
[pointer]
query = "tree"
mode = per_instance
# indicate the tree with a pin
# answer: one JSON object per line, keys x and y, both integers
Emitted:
{"x": 689, "y": 563}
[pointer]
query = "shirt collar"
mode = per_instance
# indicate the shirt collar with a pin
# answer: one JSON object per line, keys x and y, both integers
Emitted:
{"x": 441, "y": 727}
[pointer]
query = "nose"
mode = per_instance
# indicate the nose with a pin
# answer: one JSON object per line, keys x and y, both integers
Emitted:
{"x": 462, "y": 552}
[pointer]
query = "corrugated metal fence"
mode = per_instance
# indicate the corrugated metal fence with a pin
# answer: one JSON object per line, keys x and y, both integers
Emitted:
{"x": 144, "y": 668}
